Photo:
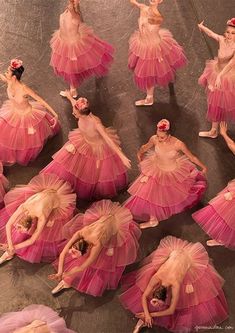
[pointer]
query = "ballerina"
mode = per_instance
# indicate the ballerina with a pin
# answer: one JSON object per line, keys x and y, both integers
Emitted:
{"x": 219, "y": 79}
{"x": 169, "y": 182}
{"x": 103, "y": 242}
{"x": 32, "y": 220}
{"x": 3, "y": 186}
{"x": 176, "y": 288}
{"x": 217, "y": 219}
{"x": 91, "y": 160}
{"x": 77, "y": 53}
{"x": 154, "y": 55}
{"x": 34, "y": 318}
{"x": 24, "y": 125}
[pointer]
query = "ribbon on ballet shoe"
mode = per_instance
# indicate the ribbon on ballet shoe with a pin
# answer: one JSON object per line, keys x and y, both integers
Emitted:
{"x": 228, "y": 196}
{"x": 31, "y": 130}
{"x": 70, "y": 148}
{"x": 189, "y": 288}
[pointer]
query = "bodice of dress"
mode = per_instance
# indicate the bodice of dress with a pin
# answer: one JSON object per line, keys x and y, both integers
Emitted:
{"x": 87, "y": 127}
{"x": 41, "y": 204}
{"x": 69, "y": 26}
{"x": 19, "y": 98}
{"x": 175, "y": 267}
{"x": 143, "y": 21}
{"x": 225, "y": 53}
{"x": 167, "y": 155}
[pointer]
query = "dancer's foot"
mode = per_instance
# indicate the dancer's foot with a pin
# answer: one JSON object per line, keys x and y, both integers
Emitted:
{"x": 63, "y": 93}
{"x": 138, "y": 326}
{"x": 5, "y": 257}
{"x": 213, "y": 133}
{"x": 148, "y": 101}
{"x": 213, "y": 242}
{"x": 153, "y": 222}
{"x": 60, "y": 286}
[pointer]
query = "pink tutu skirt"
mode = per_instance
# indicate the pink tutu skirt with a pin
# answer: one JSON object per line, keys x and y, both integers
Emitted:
{"x": 120, "y": 250}
{"x": 201, "y": 300}
{"x": 154, "y": 58}
{"x": 160, "y": 193}
{"x": 93, "y": 169}
{"x": 78, "y": 60}
{"x": 23, "y": 133}
{"x": 218, "y": 218}
{"x": 220, "y": 101}
{"x": 12, "y": 321}
{"x": 3, "y": 186}
{"x": 52, "y": 239}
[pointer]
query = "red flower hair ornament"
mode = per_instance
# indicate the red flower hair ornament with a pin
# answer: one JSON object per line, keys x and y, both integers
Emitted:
{"x": 16, "y": 63}
{"x": 163, "y": 125}
{"x": 231, "y": 22}
{"x": 82, "y": 103}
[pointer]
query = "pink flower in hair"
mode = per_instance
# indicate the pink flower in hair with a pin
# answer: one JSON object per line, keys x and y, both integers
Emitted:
{"x": 163, "y": 125}
{"x": 82, "y": 103}
{"x": 16, "y": 63}
{"x": 231, "y": 22}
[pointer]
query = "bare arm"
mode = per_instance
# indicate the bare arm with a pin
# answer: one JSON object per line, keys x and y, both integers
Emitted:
{"x": 3, "y": 78}
{"x": 182, "y": 147}
{"x": 136, "y": 3}
{"x": 223, "y": 131}
{"x": 9, "y": 225}
{"x": 230, "y": 65}
{"x": 172, "y": 307}
{"x": 209, "y": 32}
{"x": 143, "y": 149}
{"x": 37, "y": 98}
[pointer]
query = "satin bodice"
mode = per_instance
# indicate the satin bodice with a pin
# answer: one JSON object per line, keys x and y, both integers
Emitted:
{"x": 69, "y": 26}
{"x": 167, "y": 155}
{"x": 19, "y": 99}
{"x": 143, "y": 21}
{"x": 225, "y": 53}
{"x": 87, "y": 126}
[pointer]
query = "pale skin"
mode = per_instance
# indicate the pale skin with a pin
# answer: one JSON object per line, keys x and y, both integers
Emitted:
{"x": 16, "y": 86}
{"x": 35, "y": 326}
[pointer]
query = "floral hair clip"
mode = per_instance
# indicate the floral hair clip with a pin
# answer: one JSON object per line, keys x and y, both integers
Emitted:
{"x": 231, "y": 22}
{"x": 82, "y": 103}
{"x": 163, "y": 125}
{"x": 16, "y": 63}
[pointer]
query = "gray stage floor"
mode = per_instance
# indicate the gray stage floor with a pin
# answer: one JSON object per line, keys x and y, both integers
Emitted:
{"x": 26, "y": 27}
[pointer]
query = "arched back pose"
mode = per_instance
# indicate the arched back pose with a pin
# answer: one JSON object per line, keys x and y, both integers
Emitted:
{"x": 154, "y": 55}
{"x": 104, "y": 241}
{"x": 219, "y": 79}
{"x": 77, "y": 53}
{"x": 3, "y": 186}
{"x": 33, "y": 319}
{"x": 24, "y": 125}
{"x": 91, "y": 160}
{"x": 218, "y": 218}
{"x": 176, "y": 288}
{"x": 31, "y": 224}
{"x": 169, "y": 182}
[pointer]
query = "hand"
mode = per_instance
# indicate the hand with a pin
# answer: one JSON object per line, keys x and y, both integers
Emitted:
{"x": 140, "y": 315}
{"x": 126, "y": 162}
{"x": 204, "y": 171}
{"x": 53, "y": 277}
{"x": 139, "y": 156}
{"x": 11, "y": 251}
{"x": 218, "y": 82}
{"x": 148, "y": 320}
{"x": 223, "y": 128}
{"x": 201, "y": 25}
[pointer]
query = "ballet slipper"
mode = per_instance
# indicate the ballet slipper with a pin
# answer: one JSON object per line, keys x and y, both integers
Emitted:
{"x": 138, "y": 326}
{"x": 150, "y": 224}
{"x": 213, "y": 133}
{"x": 5, "y": 257}
{"x": 63, "y": 93}
{"x": 148, "y": 101}
{"x": 213, "y": 242}
{"x": 60, "y": 286}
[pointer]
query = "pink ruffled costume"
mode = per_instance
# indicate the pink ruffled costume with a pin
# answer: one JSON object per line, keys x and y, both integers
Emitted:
{"x": 154, "y": 55}
{"x": 24, "y": 128}
{"x": 3, "y": 186}
{"x": 221, "y": 101}
{"x": 46, "y": 196}
{"x": 77, "y": 53}
{"x": 17, "y": 322}
{"x": 88, "y": 163}
{"x": 201, "y": 298}
{"x": 168, "y": 184}
{"x": 118, "y": 235}
{"x": 218, "y": 218}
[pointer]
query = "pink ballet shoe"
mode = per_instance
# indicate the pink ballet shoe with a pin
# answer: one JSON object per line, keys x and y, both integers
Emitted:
{"x": 5, "y": 257}
{"x": 150, "y": 224}
{"x": 60, "y": 286}
{"x": 213, "y": 242}
{"x": 140, "y": 324}
{"x": 148, "y": 101}
{"x": 209, "y": 134}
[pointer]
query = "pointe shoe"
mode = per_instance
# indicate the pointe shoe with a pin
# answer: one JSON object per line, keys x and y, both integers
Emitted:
{"x": 5, "y": 257}
{"x": 213, "y": 242}
{"x": 138, "y": 326}
{"x": 150, "y": 224}
{"x": 208, "y": 134}
{"x": 63, "y": 93}
{"x": 144, "y": 102}
{"x": 60, "y": 286}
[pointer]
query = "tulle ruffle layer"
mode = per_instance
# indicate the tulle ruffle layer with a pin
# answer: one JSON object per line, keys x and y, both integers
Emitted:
{"x": 154, "y": 59}
{"x": 3, "y": 186}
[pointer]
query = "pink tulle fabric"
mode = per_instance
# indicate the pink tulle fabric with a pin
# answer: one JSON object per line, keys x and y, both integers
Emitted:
{"x": 120, "y": 246}
{"x": 77, "y": 60}
{"x": 165, "y": 192}
{"x": 4, "y": 184}
{"x": 12, "y": 321}
{"x": 221, "y": 101}
{"x": 154, "y": 57}
{"x": 218, "y": 218}
{"x": 94, "y": 170}
{"x": 23, "y": 133}
{"x": 205, "y": 305}
{"x": 52, "y": 239}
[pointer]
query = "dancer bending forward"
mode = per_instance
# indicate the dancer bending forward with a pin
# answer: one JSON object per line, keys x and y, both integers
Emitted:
{"x": 24, "y": 125}
{"x": 91, "y": 160}
{"x": 77, "y": 53}
{"x": 104, "y": 242}
{"x": 154, "y": 55}
{"x": 31, "y": 224}
{"x": 219, "y": 79}
{"x": 169, "y": 182}
{"x": 177, "y": 288}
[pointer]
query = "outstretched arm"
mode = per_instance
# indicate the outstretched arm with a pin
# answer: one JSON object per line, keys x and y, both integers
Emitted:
{"x": 143, "y": 149}
{"x": 136, "y": 3}
{"x": 209, "y": 32}
{"x": 228, "y": 140}
{"x": 37, "y": 98}
{"x": 174, "y": 300}
{"x": 3, "y": 78}
{"x": 182, "y": 147}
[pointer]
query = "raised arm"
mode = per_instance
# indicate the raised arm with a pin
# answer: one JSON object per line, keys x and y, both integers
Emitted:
{"x": 136, "y": 3}
{"x": 174, "y": 300}
{"x": 209, "y": 32}
{"x": 223, "y": 131}
{"x": 143, "y": 149}
{"x": 3, "y": 78}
